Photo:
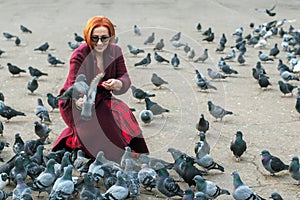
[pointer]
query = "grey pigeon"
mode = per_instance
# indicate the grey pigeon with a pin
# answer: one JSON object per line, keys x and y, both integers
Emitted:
{"x": 188, "y": 194}
{"x": 73, "y": 45}
{"x": 5, "y": 195}
{"x": 272, "y": 163}
{"x": 210, "y": 189}
{"x": 228, "y": 69}
{"x": 186, "y": 48}
{"x": 8, "y": 35}
{"x": 17, "y": 41}
{"x": 242, "y": 191}
{"x": 63, "y": 186}
{"x": 89, "y": 191}
{"x": 231, "y": 56}
{"x": 155, "y": 107}
{"x": 32, "y": 85}
{"x": 79, "y": 88}
{"x": 159, "y": 45}
{"x": 151, "y": 161}
{"x": 131, "y": 178}
{"x": 81, "y": 162}
{"x": 18, "y": 169}
{"x": 220, "y": 48}
{"x": 134, "y": 50}
{"x": 239, "y": 31}
{"x": 241, "y": 58}
{"x": 238, "y": 146}
{"x": 207, "y": 31}
{"x": 139, "y": 93}
{"x": 147, "y": 177}
{"x": 52, "y": 60}
{"x": 263, "y": 81}
{"x": 43, "y": 47}
{"x": 191, "y": 54}
{"x": 45, "y": 180}
{"x": 52, "y": 101}
{"x": 205, "y": 147}
{"x": 276, "y": 196}
{"x": 18, "y": 145}
{"x": 1, "y": 52}
{"x": 274, "y": 51}
{"x": 4, "y": 180}
{"x": 215, "y": 75}
{"x": 199, "y": 26}
{"x": 176, "y": 37}
{"x": 203, "y": 124}
{"x": 217, "y": 111}
{"x": 146, "y": 116}
{"x": 150, "y": 39}
{"x": 117, "y": 191}
{"x": 42, "y": 112}
{"x": 209, "y": 38}
{"x": 287, "y": 76}
{"x": 202, "y": 82}
{"x": 22, "y": 190}
{"x": 294, "y": 169}
{"x": 157, "y": 80}
{"x": 200, "y": 196}
{"x": 264, "y": 57}
{"x": 145, "y": 61}
{"x": 36, "y": 72}
{"x": 15, "y": 70}
{"x": 175, "y": 61}
{"x": 9, "y": 112}
{"x": 203, "y": 57}
{"x": 41, "y": 130}
{"x": 96, "y": 170}
{"x": 136, "y": 30}
{"x": 177, "y": 44}
{"x": 159, "y": 58}
{"x": 166, "y": 184}
{"x": 1, "y": 128}
{"x": 89, "y": 98}
{"x": 286, "y": 88}
{"x": 78, "y": 38}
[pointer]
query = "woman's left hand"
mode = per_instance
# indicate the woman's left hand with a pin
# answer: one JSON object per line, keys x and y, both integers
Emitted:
{"x": 112, "y": 84}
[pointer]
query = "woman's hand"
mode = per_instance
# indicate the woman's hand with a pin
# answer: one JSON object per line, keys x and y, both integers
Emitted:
{"x": 112, "y": 84}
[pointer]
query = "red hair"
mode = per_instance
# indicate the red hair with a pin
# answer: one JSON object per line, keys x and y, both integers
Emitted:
{"x": 96, "y": 22}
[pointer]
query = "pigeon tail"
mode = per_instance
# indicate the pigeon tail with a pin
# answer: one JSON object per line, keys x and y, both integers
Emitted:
{"x": 228, "y": 112}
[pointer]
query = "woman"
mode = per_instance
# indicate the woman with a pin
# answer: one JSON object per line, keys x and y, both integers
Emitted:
{"x": 113, "y": 126}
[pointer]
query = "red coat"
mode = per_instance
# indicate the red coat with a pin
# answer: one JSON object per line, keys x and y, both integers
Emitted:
{"x": 102, "y": 132}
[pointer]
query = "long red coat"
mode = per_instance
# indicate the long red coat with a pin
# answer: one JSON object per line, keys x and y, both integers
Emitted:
{"x": 103, "y": 132}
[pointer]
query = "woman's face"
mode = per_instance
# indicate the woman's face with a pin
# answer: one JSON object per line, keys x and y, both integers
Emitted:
{"x": 100, "y": 38}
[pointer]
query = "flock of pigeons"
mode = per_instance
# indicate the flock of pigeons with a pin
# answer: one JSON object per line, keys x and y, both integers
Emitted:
{"x": 64, "y": 175}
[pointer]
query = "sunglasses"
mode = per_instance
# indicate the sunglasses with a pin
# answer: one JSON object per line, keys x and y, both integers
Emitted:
{"x": 96, "y": 38}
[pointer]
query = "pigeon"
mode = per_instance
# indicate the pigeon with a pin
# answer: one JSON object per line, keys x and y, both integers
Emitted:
{"x": 198, "y": 27}
{"x": 81, "y": 163}
{"x": 228, "y": 69}
{"x": 204, "y": 160}
{"x": 17, "y": 41}
{"x": 8, "y": 112}
{"x": 78, "y": 38}
{"x": 242, "y": 191}
{"x": 22, "y": 190}
{"x": 1, "y": 128}
{"x": 139, "y": 93}
{"x": 209, "y": 38}
{"x": 3, "y": 144}
{"x": 217, "y": 111}
{"x": 155, "y": 108}
{"x": 205, "y": 147}
{"x": 52, "y": 101}
{"x": 255, "y": 73}
{"x": 176, "y": 37}
{"x": 157, "y": 81}
{"x": 272, "y": 163}
{"x": 89, "y": 98}
{"x": 145, "y": 61}
{"x": 79, "y": 88}
{"x": 191, "y": 54}
{"x": 241, "y": 58}
{"x": 18, "y": 145}
{"x": 41, "y": 130}
{"x": 36, "y": 72}
{"x": 44, "y": 47}
{"x": 203, "y": 57}
{"x": 89, "y": 191}
{"x": 238, "y": 146}
{"x": 159, "y": 45}
{"x": 276, "y": 196}
{"x": 118, "y": 191}
{"x": 136, "y": 30}
{"x": 44, "y": 181}
{"x": 263, "y": 81}
{"x": 200, "y": 196}
{"x": 8, "y": 35}
{"x": 294, "y": 169}
{"x": 134, "y": 50}
{"x": 268, "y": 11}
{"x": 18, "y": 169}
{"x": 42, "y": 112}
{"x": 1, "y": 52}
{"x": 177, "y": 44}
{"x": 4, "y": 180}
{"x": 159, "y": 58}
{"x": 188, "y": 194}
{"x": 231, "y": 56}
{"x": 147, "y": 177}
{"x": 210, "y": 189}
{"x": 287, "y": 76}
{"x": 286, "y": 88}
{"x": 220, "y": 48}
{"x": 260, "y": 68}
{"x": 297, "y": 106}
{"x": 4, "y": 195}
{"x": 186, "y": 48}
{"x": 274, "y": 51}
{"x": 32, "y": 85}
{"x": 146, "y": 116}
{"x": 15, "y": 70}
{"x": 207, "y": 31}
{"x": 203, "y": 124}
{"x": 238, "y": 31}
{"x": 73, "y": 45}
{"x": 53, "y": 60}
{"x": 264, "y": 57}
{"x": 166, "y": 184}
{"x": 131, "y": 178}
{"x": 63, "y": 186}
{"x": 151, "y": 161}
{"x": 24, "y": 29}
{"x": 215, "y": 75}
{"x": 150, "y": 39}
{"x": 175, "y": 61}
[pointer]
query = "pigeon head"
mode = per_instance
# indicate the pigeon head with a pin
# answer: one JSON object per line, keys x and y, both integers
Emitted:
{"x": 4, "y": 176}
{"x": 158, "y": 166}
{"x": 189, "y": 192}
{"x": 80, "y": 77}
{"x": 295, "y": 159}
{"x": 265, "y": 153}
{"x": 239, "y": 134}
{"x": 198, "y": 179}
{"x": 201, "y": 135}
{"x": 236, "y": 179}
{"x": 275, "y": 196}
